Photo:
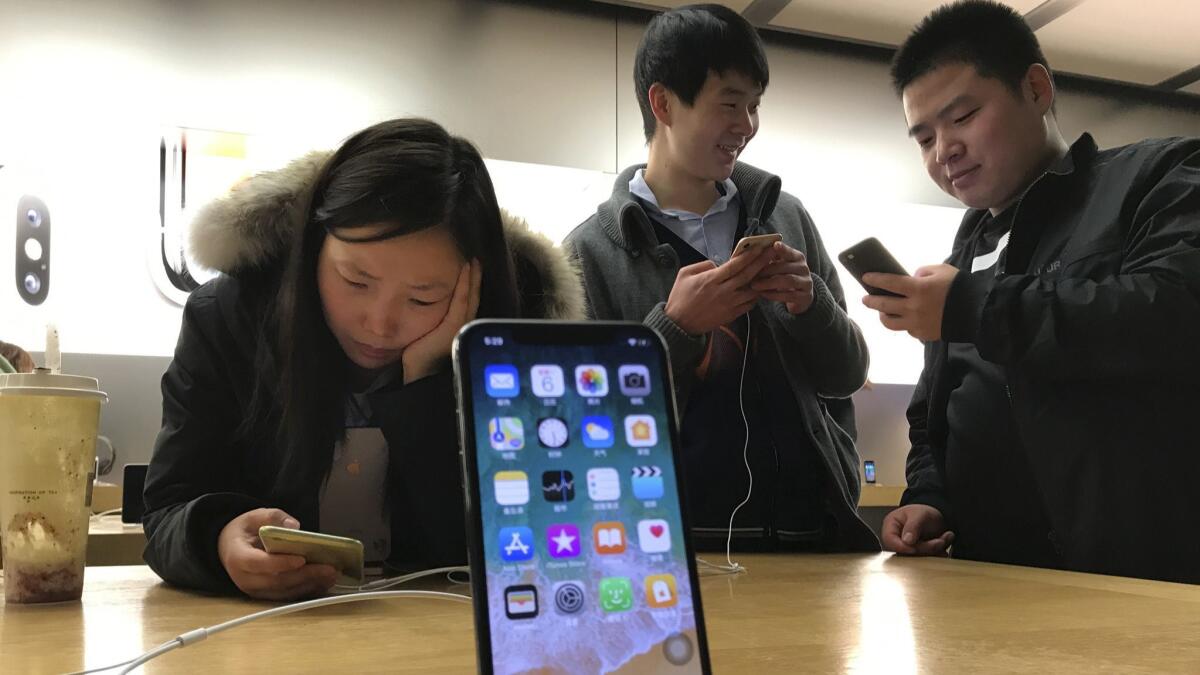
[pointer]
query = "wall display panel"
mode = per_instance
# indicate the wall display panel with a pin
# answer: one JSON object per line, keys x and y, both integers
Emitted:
{"x": 119, "y": 274}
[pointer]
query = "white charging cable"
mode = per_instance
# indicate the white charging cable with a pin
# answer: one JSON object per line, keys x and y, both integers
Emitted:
{"x": 381, "y": 584}
{"x": 732, "y": 567}
{"x": 194, "y": 636}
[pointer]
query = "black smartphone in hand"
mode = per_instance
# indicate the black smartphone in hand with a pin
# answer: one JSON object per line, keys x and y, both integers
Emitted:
{"x": 867, "y": 256}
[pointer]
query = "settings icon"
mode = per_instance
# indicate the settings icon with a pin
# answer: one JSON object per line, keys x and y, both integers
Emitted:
{"x": 568, "y": 597}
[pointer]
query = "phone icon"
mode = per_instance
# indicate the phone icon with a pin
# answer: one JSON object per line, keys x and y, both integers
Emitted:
{"x": 654, "y": 536}
{"x": 512, "y": 488}
{"x": 501, "y": 381}
{"x": 520, "y": 602}
{"x": 647, "y": 482}
{"x": 546, "y": 380}
{"x": 608, "y": 537}
{"x": 640, "y": 431}
{"x": 506, "y": 433}
{"x": 634, "y": 379}
{"x": 660, "y": 591}
{"x": 597, "y": 432}
{"x": 616, "y": 594}
{"x": 516, "y": 544}
{"x": 604, "y": 485}
{"x": 591, "y": 380}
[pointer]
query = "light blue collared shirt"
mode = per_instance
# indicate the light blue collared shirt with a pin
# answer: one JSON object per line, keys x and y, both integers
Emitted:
{"x": 712, "y": 234}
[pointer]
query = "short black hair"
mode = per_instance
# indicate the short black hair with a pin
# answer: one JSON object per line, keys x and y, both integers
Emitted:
{"x": 992, "y": 37}
{"x": 682, "y": 46}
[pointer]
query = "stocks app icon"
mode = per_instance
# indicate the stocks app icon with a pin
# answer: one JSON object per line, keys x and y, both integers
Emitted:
{"x": 558, "y": 486}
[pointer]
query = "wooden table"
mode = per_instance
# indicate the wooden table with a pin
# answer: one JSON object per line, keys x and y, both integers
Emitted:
{"x": 803, "y": 613}
{"x": 111, "y": 542}
{"x": 873, "y": 495}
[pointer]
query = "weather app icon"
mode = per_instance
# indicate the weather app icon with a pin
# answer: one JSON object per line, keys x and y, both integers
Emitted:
{"x": 597, "y": 432}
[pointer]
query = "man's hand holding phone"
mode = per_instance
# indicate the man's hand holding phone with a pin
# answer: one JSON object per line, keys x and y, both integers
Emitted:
{"x": 706, "y": 297}
{"x": 268, "y": 576}
{"x": 922, "y": 304}
{"x": 786, "y": 279}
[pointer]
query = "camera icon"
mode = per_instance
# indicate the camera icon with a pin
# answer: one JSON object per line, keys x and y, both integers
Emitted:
{"x": 634, "y": 380}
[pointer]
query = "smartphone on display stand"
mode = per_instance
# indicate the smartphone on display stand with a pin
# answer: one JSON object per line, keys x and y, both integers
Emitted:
{"x": 869, "y": 471}
{"x": 867, "y": 256}
{"x": 580, "y": 553}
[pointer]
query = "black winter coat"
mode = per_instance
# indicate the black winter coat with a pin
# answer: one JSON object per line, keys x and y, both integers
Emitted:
{"x": 1101, "y": 349}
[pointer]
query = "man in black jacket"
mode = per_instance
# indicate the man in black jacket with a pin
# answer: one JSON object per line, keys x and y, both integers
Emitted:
{"x": 1052, "y": 425}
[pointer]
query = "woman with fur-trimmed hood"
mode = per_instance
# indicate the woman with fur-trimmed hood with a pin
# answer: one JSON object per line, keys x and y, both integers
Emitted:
{"x": 310, "y": 386}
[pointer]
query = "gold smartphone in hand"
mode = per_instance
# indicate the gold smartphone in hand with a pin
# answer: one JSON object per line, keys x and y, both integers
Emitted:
{"x": 342, "y": 553}
{"x": 758, "y": 241}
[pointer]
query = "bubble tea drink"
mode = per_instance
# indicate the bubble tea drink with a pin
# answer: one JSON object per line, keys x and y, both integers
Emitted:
{"x": 48, "y": 427}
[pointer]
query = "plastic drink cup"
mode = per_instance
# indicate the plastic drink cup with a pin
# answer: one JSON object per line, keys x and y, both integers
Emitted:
{"x": 48, "y": 428}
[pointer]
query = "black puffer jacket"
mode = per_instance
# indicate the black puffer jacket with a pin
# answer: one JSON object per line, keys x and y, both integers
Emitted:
{"x": 1100, "y": 344}
{"x": 202, "y": 475}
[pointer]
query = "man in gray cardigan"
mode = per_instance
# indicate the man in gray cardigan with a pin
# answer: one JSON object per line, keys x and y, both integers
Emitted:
{"x": 763, "y": 354}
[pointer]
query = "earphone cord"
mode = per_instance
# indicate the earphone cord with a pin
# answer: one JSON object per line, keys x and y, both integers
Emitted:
{"x": 732, "y": 567}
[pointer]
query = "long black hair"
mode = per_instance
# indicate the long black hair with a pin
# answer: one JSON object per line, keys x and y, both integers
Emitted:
{"x": 407, "y": 174}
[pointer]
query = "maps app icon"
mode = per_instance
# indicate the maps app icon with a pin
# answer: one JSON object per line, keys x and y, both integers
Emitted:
{"x": 506, "y": 433}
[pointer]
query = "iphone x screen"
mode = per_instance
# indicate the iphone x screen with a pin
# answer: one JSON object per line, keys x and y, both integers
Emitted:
{"x": 579, "y": 529}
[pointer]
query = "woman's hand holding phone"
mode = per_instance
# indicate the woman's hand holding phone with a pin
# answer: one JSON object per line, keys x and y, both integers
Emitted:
{"x": 424, "y": 356}
{"x": 268, "y": 576}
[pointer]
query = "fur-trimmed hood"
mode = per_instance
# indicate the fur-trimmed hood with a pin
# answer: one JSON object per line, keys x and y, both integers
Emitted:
{"x": 255, "y": 223}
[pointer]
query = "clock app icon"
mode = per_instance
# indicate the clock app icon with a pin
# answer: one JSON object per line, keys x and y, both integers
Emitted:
{"x": 552, "y": 432}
